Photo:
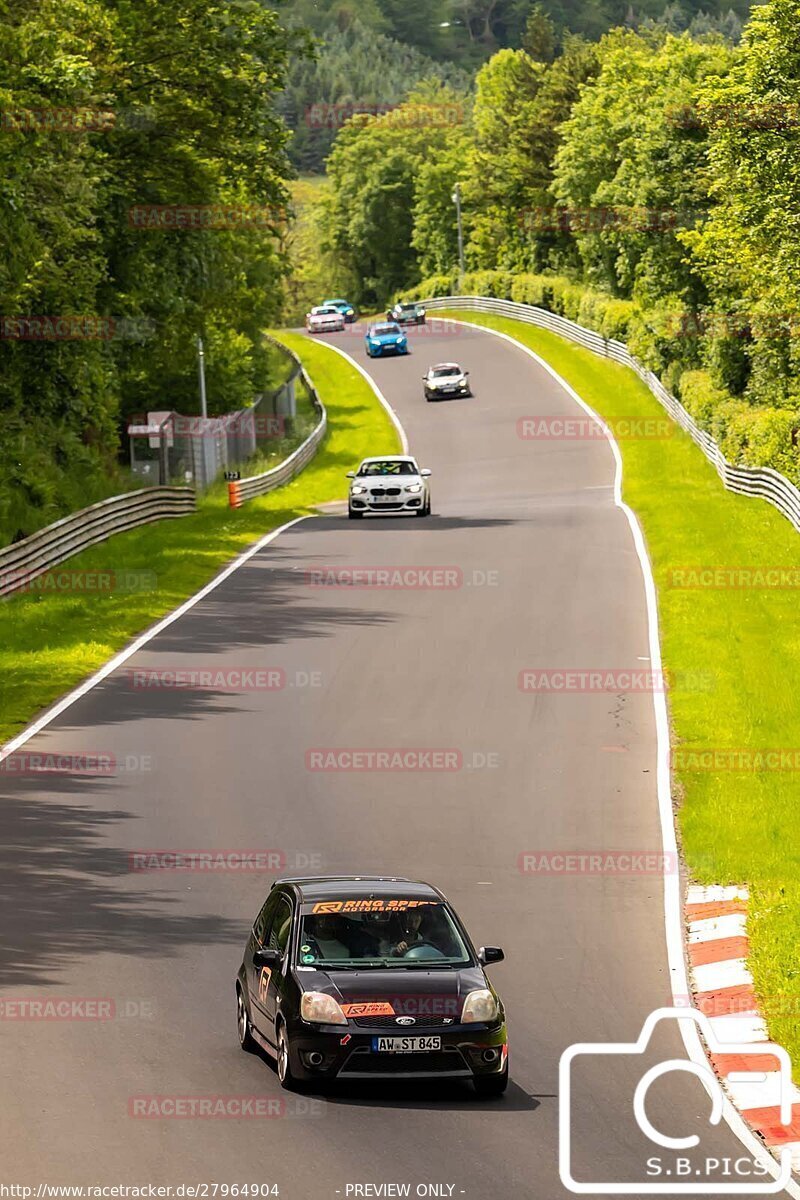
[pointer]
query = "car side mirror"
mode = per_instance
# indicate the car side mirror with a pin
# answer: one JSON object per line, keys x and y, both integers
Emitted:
{"x": 490, "y": 954}
{"x": 265, "y": 957}
{"x": 351, "y": 474}
{"x": 425, "y": 472}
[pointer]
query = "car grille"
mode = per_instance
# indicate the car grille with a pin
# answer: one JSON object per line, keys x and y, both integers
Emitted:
{"x": 426, "y": 1022}
{"x": 439, "y": 1062}
{"x": 385, "y": 492}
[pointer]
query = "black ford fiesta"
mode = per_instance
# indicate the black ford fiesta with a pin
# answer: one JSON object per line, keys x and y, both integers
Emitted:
{"x": 369, "y": 978}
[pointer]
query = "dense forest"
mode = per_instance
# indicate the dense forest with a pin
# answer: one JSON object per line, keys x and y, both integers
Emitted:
{"x": 371, "y": 53}
{"x": 147, "y": 156}
{"x": 142, "y": 188}
{"x": 647, "y": 185}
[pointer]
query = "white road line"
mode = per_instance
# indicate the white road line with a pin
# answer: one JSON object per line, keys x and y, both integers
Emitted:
{"x": 108, "y": 668}
{"x": 392, "y": 414}
{"x": 673, "y": 907}
{"x": 67, "y": 701}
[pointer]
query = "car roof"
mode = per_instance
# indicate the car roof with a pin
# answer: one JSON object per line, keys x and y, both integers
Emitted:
{"x": 440, "y": 366}
{"x": 407, "y": 304}
{"x": 390, "y": 458}
{"x": 323, "y": 887}
{"x": 335, "y": 302}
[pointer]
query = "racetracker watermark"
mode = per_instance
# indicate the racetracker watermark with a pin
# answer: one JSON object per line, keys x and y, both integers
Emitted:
{"x": 79, "y": 582}
{"x": 741, "y": 1002}
{"x": 565, "y": 680}
{"x": 75, "y": 120}
{"x": 74, "y": 1008}
{"x": 213, "y": 679}
{"x": 88, "y": 763}
{"x": 405, "y": 116}
{"x": 238, "y": 861}
{"x": 737, "y": 578}
{"x": 86, "y": 327}
{"x": 341, "y": 759}
{"x": 396, "y": 578}
{"x": 758, "y": 325}
{"x": 597, "y": 862}
{"x": 620, "y": 219}
{"x": 747, "y": 760}
{"x": 568, "y": 429}
{"x": 775, "y": 115}
{"x": 220, "y": 1107}
{"x": 207, "y": 216}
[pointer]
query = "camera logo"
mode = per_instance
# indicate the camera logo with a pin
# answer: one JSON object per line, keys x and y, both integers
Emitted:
{"x": 685, "y": 1175}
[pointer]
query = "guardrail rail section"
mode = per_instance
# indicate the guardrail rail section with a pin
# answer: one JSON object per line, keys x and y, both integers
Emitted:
{"x": 763, "y": 482}
{"x": 240, "y": 490}
{"x": 30, "y": 558}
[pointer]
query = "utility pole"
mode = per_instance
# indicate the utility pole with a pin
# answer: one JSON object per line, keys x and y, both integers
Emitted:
{"x": 457, "y": 202}
{"x": 201, "y": 368}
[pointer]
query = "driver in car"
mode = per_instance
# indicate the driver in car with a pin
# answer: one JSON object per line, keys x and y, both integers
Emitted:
{"x": 411, "y": 936}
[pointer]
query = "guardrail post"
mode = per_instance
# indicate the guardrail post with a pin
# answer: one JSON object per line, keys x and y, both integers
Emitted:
{"x": 234, "y": 494}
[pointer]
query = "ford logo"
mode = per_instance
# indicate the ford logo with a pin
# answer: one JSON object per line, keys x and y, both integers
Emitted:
{"x": 405, "y": 1020}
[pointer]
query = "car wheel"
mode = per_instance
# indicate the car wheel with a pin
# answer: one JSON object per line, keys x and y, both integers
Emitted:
{"x": 491, "y": 1085}
{"x": 425, "y": 511}
{"x": 285, "y": 1077}
{"x": 243, "y": 1024}
{"x": 354, "y": 515}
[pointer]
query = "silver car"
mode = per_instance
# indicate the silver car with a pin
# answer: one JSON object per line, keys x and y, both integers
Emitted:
{"x": 325, "y": 319}
{"x": 389, "y": 485}
{"x": 446, "y": 379}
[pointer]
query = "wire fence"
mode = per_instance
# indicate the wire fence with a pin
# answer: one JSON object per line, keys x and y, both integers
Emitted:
{"x": 762, "y": 482}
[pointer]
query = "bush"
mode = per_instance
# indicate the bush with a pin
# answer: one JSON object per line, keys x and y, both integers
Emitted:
{"x": 701, "y": 397}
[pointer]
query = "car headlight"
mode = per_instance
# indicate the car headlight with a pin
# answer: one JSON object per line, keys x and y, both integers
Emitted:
{"x": 357, "y": 490}
{"x": 414, "y": 487}
{"x": 479, "y": 1006}
{"x": 322, "y": 1009}
{"x": 421, "y": 312}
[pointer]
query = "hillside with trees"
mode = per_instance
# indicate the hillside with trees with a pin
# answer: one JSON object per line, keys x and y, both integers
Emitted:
{"x": 646, "y": 185}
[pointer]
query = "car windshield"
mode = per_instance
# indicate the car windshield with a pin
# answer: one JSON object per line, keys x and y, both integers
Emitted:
{"x": 380, "y": 330}
{"x": 390, "y": 466}
{"x": 324, "y": 312}
{"x": 408, "y": 307}
{"x": 392, "y": 932}
{"x": 443, "y": 372}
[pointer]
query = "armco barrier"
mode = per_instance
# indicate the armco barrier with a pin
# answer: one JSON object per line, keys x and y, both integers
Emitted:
{"x": 26, "y": 560}
{"x": 241, "y": 490}
{"x": 763, "y": 482}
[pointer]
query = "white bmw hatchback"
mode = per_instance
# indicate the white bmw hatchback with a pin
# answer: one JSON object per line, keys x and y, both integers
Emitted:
{"x": 389, "y": 485}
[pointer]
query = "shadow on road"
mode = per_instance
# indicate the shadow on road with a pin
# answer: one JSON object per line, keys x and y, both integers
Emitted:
{"x": 58, "y": 893}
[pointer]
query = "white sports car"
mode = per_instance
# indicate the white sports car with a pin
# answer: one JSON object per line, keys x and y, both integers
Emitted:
{"x": 389, "y": 485}
{"x": 446, "y": 379}
{"x": 325, "y": 319}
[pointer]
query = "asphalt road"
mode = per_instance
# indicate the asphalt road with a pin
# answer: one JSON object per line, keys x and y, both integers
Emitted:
{"x": 548, "y": 578}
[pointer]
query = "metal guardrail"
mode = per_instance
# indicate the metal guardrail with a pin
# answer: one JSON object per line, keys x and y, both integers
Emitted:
{"x": 762, "y": 482}
{"x": 30, "y": 558}
{"x": 240, "y": 490}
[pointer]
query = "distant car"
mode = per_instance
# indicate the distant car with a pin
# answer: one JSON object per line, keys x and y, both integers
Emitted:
{"x": 385, "y": 338}
{"x": 325, "y": 319}
{"x": 407, "y": 314}
{"x": 344, "y": 307}
{"x": 369, "y": 978}
{"x": 446, "y": 379}
{"x": 394, "y": 484}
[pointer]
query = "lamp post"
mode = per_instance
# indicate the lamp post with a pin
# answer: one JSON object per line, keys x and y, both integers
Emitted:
{"x": 201, "y": 369}
{"x": 457, "y": 202}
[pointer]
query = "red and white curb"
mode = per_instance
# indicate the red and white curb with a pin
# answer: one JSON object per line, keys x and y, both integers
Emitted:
{"x": 723, "y": 990}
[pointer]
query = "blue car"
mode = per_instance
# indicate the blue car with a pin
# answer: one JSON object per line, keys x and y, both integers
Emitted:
{"x": 344, "y": 307}
{"x": 385, "y": 338}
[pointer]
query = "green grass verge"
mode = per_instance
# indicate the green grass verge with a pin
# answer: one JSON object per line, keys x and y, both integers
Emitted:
{"x": 50, "y": 642}
{"x": 736, "y": 827}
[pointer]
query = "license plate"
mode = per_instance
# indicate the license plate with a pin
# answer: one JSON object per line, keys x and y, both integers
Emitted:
{"x": 405, "y": 1045}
